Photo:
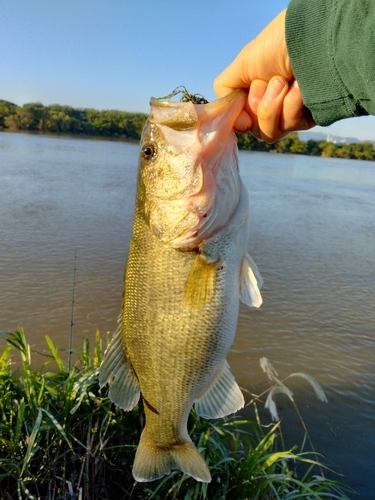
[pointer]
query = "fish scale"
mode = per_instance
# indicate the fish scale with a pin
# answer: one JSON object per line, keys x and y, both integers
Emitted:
{"x": 157, "y": 275}
{"x": 184, "y": 278}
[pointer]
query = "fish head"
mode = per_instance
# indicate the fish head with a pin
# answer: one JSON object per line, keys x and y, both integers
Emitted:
{"x": 188, "y": 170}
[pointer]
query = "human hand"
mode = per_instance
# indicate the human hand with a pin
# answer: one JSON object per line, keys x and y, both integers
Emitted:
{"x": 274, "y": 106}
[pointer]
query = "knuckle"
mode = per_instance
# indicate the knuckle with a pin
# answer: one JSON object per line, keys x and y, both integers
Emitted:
{"x": 265, "y": 111}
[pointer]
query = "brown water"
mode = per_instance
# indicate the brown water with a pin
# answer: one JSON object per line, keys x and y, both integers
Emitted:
{"x": 313, "y": 238}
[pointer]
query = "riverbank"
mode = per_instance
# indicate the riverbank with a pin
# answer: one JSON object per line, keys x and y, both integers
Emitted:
{"x": 60, "y": 437}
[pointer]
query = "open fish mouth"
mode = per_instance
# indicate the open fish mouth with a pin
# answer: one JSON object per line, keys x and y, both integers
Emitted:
{"x": 196, "y": 165}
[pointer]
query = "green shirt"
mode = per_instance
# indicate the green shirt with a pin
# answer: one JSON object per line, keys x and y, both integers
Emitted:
{"x": 331, "y": 45}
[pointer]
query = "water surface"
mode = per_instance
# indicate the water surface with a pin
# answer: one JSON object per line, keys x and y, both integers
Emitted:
{"x": 313, "y": 238}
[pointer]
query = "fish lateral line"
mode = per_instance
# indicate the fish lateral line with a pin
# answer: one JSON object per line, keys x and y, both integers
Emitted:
{"x": 132, "y": 370}
{"x": 150, "y": 407}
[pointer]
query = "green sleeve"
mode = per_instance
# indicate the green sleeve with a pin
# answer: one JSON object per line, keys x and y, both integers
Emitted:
{"x": 331, "y": 45}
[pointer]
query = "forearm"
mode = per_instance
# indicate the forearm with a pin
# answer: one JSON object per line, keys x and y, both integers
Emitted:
{"x": 331, "y": 44}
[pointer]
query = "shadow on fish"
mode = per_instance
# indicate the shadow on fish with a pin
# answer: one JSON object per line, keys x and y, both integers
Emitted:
{"x": 187, "y": 270}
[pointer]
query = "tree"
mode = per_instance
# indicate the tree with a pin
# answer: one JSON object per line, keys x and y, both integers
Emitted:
{"x": 6, "y": 109}
{"x": 284, "y": 144}
{"x": 37, "y": 112}
{"x": 343, "y": 151}
{"x": 328, "y": 149}
{"x": 312, "y": 148}
{"x": 297, "y": 146}
{"x": 249, "y": 142}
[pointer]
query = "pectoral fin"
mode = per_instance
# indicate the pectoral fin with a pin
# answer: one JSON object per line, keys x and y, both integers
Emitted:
{"x": 222, "y": 398}
{"x": 117, "y": 372}
{"x": 250, "y": 282}
{"x": 200, "y": 284}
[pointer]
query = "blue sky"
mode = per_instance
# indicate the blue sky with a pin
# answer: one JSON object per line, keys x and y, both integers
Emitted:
{"x": 116, "y": 54}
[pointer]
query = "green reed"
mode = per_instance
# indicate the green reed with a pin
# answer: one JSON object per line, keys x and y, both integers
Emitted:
{"x": 61, "y": 438}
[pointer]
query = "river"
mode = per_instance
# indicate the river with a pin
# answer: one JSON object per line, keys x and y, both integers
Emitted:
{"x": 313, "y": 238}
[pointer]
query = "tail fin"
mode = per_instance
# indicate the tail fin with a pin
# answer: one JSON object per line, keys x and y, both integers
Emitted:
{"x": 153, "y": 462}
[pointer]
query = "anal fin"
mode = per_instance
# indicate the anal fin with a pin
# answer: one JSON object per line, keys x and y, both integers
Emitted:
{"x": 117, "y": 372}
{"x": 250, "y": 283}
{"x": 222, "y": 398}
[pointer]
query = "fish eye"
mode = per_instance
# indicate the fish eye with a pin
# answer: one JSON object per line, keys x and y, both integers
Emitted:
{"x": 148, "y": 151}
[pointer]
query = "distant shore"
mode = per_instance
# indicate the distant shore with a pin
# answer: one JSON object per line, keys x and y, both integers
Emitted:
{"x": 127, "y": 126}
{"x": 70, "y": 135}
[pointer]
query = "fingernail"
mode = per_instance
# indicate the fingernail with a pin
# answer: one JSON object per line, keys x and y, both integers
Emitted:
{"x": 274, "y": 89}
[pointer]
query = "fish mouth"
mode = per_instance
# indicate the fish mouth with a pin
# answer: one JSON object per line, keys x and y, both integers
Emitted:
{"x": 217, "y": 119}
{"x": 214, "y": 121}
{"x": 220, "y": 114}
{"x": 199, "y": 144}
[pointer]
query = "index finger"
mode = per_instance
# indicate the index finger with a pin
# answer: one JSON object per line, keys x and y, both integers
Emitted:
{"x": 231, "y": 78}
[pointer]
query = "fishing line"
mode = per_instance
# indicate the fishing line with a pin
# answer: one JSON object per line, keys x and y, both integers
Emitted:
{"x": 72, "y": 311}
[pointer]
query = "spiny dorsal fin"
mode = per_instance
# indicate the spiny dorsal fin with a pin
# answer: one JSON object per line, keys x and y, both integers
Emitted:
{"x": 200, "y": 284}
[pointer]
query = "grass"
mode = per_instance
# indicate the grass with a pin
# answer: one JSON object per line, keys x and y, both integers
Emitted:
{"x": 61, "y": 438}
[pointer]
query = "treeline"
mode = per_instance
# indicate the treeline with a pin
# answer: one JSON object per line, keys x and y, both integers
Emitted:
{"x": 121, "y": 124}
{"x": 68, "y": 120}
{"x": 293, "y": 144}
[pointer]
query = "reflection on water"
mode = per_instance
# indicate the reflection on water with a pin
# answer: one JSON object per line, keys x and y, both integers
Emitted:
{"x": 313, "y": 238}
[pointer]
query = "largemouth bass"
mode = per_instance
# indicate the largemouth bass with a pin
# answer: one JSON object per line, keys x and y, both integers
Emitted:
{"x": 186, "y": 272}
